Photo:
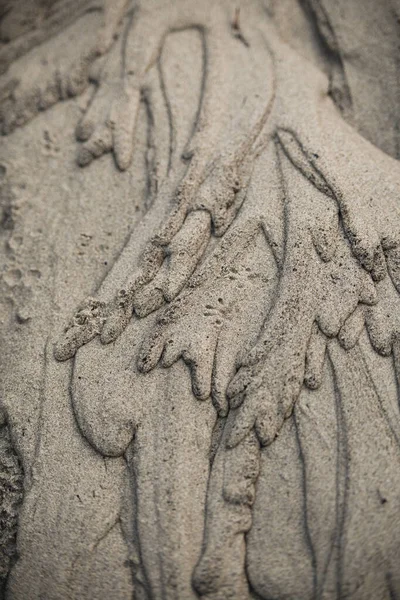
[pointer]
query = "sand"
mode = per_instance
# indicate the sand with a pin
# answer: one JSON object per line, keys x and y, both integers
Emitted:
{"x": 199, "y": 300}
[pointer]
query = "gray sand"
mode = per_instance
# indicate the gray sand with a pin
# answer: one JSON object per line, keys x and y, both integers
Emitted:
{"x": 200, "y": 320}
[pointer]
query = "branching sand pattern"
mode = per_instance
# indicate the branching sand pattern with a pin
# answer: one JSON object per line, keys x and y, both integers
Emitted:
{"x": 331, "y": 224}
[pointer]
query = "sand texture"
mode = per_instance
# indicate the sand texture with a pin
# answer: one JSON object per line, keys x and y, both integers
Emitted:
{"x": 199, "y": 299}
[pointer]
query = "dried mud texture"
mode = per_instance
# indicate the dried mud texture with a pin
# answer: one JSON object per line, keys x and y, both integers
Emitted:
{"x": 220, "y": 417}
